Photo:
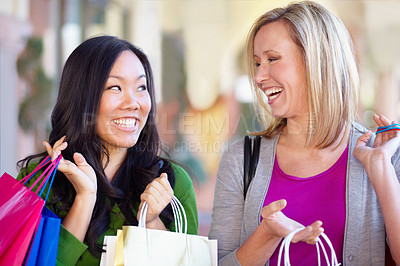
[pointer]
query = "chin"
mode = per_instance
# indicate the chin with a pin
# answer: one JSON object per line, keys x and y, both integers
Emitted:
{"x": 122, "y": 144}
{"x": 129, "y": 144}
{"x": 278, "y": 115}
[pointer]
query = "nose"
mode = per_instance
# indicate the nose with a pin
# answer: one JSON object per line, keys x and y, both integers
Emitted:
{"x": 130, "y": 101}
{"x": 262, "y": 74}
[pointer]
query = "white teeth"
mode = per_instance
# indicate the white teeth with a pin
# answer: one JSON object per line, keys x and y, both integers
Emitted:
{"x": 272, "y": 97}
{"x": 272, "y": 91}
{"x": 125, "y": 122}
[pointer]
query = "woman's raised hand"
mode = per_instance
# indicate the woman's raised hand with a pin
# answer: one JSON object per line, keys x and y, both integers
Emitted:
{"x": 158, "y": 195}
{"x": 79, "y": 173}
{"x": 275, "y": 223}
{"x": 385, "y": 144}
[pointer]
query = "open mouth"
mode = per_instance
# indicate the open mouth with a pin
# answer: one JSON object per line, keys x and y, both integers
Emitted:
{"x": 126, "y": 123}
{"x": 273, "y": 93}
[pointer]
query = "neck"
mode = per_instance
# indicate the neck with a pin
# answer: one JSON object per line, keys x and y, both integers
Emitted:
{"x": 116, "y": 158}
{"x": 296, "y": 132}
{"x": 295, "y": 135}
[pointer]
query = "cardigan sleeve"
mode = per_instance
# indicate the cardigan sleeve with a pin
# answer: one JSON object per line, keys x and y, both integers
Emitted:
{"x": 227, "y": 216}
{"x": 184, "y": 191}
{"x": 70, "y": 249}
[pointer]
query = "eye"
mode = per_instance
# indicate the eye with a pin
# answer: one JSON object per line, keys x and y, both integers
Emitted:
{"x": 272, "y": 59}
{"x": 257, "y": 64}
{"x": 142, "y": 88}
{"x": 114, "y": 88}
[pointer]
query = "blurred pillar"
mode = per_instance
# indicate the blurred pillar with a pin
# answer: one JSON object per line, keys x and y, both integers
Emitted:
{"x": 145, "y": 32}
{"x": 12, "y": 41}
{"x": 205, "y": 43}
{"x": 387, "y": 95}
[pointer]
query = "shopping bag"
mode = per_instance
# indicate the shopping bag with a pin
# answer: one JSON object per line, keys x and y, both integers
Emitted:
{"x": 45, "y": 244}
{"x": 20, "y": 213}
{"x": 288, "y": 239}
{"x": 15, "y": 253}
{"x": 119, "y": 249}
{"x": 143, "y": 246}
{"x": 107, "y": 258}
{"x": 213, "y": 251}
{"x": 17, "y": 206}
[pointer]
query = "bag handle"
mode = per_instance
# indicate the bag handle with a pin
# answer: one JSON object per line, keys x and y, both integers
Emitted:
{"x": 288, "y": 239}
{"x": 180, "y": 218}
{"x": 47, "y": 175}
{"x": 250, "y": 160}
{"x": 25, "y": 179}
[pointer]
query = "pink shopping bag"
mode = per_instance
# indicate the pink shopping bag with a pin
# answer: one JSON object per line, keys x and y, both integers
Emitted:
{"x": 20, "y": 214}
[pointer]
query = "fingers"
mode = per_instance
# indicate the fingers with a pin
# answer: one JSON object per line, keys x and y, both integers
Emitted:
{"x": 163, "y": 180}
{"x": 79, "y": 159}
{"x": 158, "y": 193}
{"x": 309, "y": 234}
{"x": 384, "y": 136}
{"x": 381, "y": 120}
{"x": 362, "y": 140}
{"x": 273, "y": 207}
{"x": 82, "y": 165}
{"x": 161, "y": 186}
{"x": 58, "y": 146}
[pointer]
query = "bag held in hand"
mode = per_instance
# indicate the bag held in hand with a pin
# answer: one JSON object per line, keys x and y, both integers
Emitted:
{"x": 319, "y": 246}
{"x": 143, "y": 246}
{"x": 20, "y": 213}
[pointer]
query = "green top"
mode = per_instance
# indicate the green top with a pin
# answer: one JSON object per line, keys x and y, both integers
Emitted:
{"x": 71, "y": 251}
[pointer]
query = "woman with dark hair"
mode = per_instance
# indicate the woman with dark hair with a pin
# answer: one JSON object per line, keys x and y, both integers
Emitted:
{"x": 104, "y": 126}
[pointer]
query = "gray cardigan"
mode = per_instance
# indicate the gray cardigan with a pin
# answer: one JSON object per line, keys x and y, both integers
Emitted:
{"x": 234, "y": 220}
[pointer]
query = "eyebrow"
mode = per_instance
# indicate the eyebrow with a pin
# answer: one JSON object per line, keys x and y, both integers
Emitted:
{"x": 122, "y": 78}
{"x": 267, "y": 51}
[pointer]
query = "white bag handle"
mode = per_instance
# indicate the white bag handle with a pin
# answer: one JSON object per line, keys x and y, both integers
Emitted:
{"x": 179, "y": 216}
{"x": 288, "y": 239}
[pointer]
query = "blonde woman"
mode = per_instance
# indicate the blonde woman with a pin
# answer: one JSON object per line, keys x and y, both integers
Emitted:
{"x": 318, "y": 168}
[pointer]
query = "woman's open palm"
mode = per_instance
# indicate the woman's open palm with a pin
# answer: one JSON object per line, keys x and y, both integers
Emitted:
{"x": 79, "y": 173}
{"x": 278, "y": 224}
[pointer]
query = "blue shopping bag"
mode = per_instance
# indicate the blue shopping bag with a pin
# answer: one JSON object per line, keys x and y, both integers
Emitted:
{"x": 45, "y": 244}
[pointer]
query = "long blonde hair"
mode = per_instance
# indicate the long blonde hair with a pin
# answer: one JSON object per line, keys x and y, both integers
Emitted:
{"x": 331, "y": 71}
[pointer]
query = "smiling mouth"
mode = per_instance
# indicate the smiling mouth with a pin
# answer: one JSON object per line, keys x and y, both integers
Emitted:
{"x": 273, "y": 93}
{"x": 126, "y": 123}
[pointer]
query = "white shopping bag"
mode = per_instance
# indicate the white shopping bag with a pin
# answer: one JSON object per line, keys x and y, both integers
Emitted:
{"x": 109, "y": 244}
{"x": 143, "y": 246}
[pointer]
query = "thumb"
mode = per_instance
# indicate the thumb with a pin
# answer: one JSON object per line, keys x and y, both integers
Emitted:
{"x": 273, "y": 207}
{"x": 362, "y": 140}
{"x": 79, "y": 159}
{"x": 164, "y": 175}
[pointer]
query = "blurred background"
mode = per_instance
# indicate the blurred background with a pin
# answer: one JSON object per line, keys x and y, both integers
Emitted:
{"x": 196, "y": 48}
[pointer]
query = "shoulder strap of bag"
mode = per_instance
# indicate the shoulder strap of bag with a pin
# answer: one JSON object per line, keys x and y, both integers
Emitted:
{"x": 251, "y": 154}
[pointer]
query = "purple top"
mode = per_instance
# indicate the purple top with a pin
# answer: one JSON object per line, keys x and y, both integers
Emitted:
{"x": 320, "y": 197}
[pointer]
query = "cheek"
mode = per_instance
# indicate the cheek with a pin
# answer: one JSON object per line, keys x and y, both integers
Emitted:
{"x": 146, "y": 105}
{"x": 106, "y": 106}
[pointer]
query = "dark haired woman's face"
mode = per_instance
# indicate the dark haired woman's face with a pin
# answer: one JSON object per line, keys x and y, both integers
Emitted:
{"x": 125, "y": 103}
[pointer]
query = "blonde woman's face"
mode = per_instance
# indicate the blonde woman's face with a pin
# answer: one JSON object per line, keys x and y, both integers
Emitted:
{"x": 280, "y": 71}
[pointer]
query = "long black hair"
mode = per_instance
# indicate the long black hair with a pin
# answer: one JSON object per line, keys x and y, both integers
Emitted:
{"x": 75, "y": 115}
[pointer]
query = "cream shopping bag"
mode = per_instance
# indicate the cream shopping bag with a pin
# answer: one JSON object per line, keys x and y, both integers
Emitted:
{"x": 143, "y": 246}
